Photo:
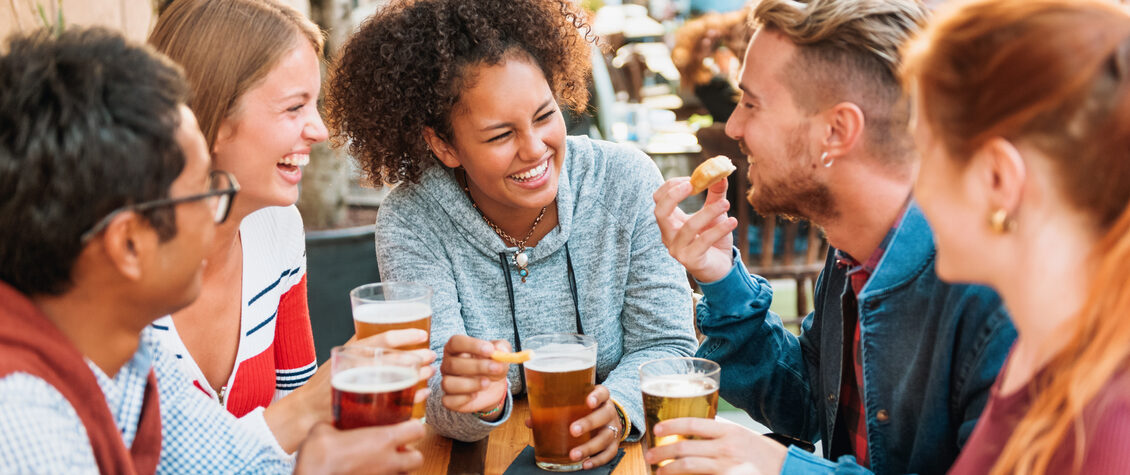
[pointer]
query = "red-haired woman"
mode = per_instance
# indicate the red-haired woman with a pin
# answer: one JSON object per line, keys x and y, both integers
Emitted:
{"x": 1023, "y": 122}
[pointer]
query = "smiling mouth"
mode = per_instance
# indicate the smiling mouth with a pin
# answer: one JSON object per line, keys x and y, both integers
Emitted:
{"x": 532, "y": 173}
{"x": 745, "y": 151}
{"x": 294, "y": 161}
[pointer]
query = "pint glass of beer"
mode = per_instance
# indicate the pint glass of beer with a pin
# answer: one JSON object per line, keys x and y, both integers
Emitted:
{"x": 385, "y": 306}
{"x": 674, "y": 388}
{"x": 372, "y": 386}
{"x": 559, "y": 376}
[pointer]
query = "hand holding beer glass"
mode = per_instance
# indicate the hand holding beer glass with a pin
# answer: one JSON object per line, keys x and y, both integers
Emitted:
{"x": 380, "y": 307}
{"x": 572, "y": 418}
{"x": 376, "y": 450}
{"x": 674, "y": 388}
{"x": 372, "y": 386}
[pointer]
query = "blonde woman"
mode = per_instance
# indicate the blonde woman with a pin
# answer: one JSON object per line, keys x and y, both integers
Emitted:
{"x": 1023, "y": 122}
{"x": 253, "y": 67}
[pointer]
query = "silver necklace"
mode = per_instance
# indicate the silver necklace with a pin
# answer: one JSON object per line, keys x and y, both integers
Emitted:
{"x": 520, "y": 258}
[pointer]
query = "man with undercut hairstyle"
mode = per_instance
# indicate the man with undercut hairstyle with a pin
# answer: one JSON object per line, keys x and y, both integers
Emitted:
{"x": 891, "y": 370}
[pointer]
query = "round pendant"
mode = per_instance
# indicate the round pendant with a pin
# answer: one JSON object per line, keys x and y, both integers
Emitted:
{"x": 521, "y": 259}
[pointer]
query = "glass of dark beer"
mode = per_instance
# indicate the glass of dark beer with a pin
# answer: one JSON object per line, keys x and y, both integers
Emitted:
{"x": 372, "y": 386}
{"x": 385, "y": 306}
{"x": 674, "y": 388}
{"x": 559, "y": 376}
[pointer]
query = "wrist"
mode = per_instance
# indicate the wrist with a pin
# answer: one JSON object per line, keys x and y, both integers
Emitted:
{"x": 716, "y": 270}
{"x": 492, "y": 414}
{"x": 709, "y": 275}
{"x": 288, "y": 422}
{"x": 625, "y": 421}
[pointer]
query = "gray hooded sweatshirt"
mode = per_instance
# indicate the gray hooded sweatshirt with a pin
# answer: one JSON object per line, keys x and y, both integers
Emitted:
{"x": 632, "y": 295}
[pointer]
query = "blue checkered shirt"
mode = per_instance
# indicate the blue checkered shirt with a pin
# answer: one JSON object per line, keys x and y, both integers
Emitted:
{"x": 41, "y": 433}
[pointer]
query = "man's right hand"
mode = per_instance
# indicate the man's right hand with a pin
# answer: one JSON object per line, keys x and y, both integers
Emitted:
{"x": 379, "y": 450}
{"x": 296, "y": 413}
{"x": 702, "y": 242}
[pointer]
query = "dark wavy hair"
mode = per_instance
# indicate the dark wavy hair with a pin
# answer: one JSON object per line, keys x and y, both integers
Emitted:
{"x": 407, "y": 66}
{"x": 88, "y": 124}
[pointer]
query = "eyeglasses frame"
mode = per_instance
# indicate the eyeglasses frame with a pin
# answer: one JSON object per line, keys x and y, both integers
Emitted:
{"x": 148, "y": 205}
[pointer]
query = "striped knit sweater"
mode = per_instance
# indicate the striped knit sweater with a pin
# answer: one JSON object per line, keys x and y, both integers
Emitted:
{"x": 276, "y": 344}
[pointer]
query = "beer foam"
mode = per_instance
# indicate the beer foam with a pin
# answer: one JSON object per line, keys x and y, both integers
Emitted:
{"x": 374, "y": 379}
{"x": 391, "y": 312}
{"x": 560, "y": 363}
{"x": 679, "y": 385}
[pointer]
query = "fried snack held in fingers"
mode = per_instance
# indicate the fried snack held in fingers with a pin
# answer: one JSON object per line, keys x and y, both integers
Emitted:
{"x": 512, "y": 358}
{"x": 710, "y": 172}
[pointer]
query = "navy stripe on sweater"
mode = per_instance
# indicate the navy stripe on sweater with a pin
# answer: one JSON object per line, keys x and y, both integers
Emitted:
{"x": 261, "y": 324}
{"x": 285, "y": 274}
{"x": 297, "y": 371}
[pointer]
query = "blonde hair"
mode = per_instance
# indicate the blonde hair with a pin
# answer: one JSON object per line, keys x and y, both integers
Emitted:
{"x": 849, "y": 51}
{"x": 226, "y": 47}
{"x": 1054, "y": 74}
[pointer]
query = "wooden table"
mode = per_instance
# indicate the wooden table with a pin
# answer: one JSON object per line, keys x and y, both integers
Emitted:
{"x": 492, "y": 455}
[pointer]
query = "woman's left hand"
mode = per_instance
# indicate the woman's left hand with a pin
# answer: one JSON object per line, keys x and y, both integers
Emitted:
{"x": 605, "y": 426}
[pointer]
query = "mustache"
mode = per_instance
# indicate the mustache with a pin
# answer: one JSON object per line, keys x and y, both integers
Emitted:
{"x": 743, "y": 148}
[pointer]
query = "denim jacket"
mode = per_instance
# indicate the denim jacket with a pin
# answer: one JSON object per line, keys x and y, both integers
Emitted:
{"x": 930, "y": 353}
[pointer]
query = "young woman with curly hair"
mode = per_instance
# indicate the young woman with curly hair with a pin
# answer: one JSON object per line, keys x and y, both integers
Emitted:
{"x": 1023, "y": 123}
{"x": 519, "y": 229}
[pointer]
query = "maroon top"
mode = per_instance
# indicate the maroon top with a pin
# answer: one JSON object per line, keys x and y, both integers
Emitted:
{"x": 1106, "y": 428}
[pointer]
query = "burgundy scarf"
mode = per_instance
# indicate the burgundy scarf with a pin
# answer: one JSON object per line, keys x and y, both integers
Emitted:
{"x": 30, "y": 343}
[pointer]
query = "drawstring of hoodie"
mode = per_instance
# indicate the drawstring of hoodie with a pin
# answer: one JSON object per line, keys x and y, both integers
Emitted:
{"x": 504, "y": 263}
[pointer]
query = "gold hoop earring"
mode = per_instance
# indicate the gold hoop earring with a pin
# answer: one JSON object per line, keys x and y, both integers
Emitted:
{"x": 1000, "y": 223}
{"x": 826, "y": 160}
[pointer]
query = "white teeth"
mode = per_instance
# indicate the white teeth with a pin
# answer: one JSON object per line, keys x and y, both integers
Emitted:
{"x": 533, "y": 172}
{"x": 296, "y": 159}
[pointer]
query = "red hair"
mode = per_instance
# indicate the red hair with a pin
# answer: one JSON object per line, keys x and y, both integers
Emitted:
{"x": 1055, "y": 75}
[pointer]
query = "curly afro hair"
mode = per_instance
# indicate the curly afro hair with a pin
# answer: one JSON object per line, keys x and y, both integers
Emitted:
{"x": 406, "y": 67}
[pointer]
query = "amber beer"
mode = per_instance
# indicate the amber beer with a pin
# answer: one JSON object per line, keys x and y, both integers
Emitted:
{"x": 374, "y": 318}
{"x": 372, "y": 386}
{"x": 559, "y": 377}
{"x": 378, "y": 308}
{"x": 674, "y": 388}
{"x": 373, "y": 396}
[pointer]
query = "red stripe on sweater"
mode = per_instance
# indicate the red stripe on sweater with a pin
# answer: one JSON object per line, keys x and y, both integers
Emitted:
{"x": 294, "y": 338}
{"x": 254, "y": 384}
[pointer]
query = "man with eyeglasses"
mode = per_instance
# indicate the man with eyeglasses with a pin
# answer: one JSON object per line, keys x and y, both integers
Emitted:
{"x": 107, "y": 209}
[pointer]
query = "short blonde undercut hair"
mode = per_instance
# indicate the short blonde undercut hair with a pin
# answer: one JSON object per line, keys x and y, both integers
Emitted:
{"x": 848, "y": 51}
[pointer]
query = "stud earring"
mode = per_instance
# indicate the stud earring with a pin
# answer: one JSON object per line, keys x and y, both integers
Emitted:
{"x": 1000, "y": 223}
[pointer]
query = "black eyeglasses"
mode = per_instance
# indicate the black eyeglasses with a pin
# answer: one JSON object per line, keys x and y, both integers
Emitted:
{"x": 222, "y": 187}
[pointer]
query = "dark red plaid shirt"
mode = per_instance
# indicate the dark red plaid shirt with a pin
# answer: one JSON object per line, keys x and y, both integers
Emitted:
{"x": 851, "y": 411}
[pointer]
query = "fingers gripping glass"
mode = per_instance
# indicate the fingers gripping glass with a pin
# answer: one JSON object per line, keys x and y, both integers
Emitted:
{"x": 222, "y": 187}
